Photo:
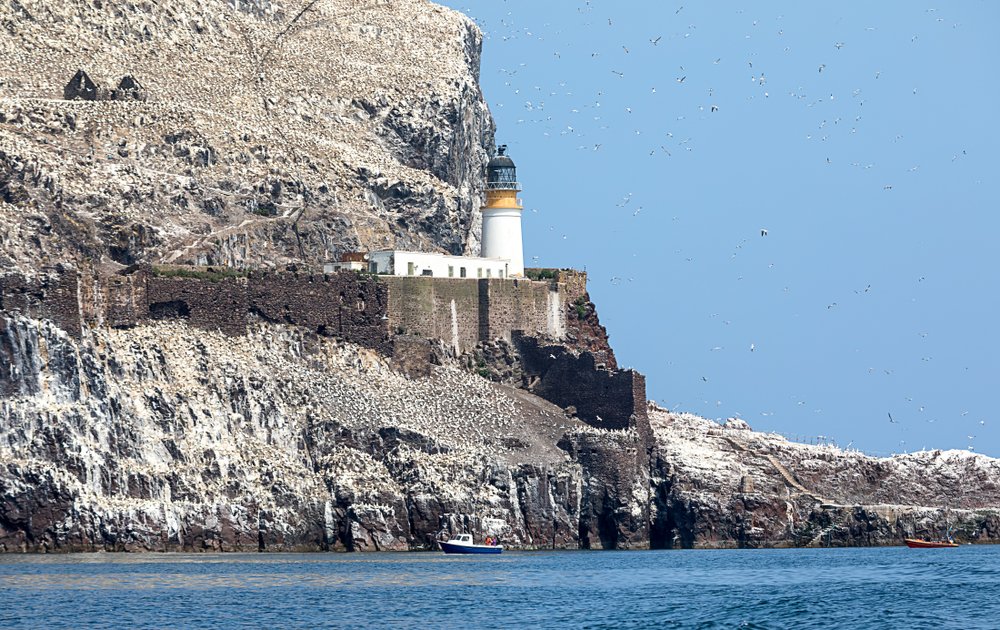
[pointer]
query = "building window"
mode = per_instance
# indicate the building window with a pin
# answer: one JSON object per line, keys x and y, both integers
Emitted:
{"x": 427, "y": 272}
{"x": 461, "y": 272}
{"x": 489, "y": 273}
{"x": 500, "y": 272}
{"x": 451, "y": 271}
{"x": 410, "y": 269}
{"x": 479, "y": 272}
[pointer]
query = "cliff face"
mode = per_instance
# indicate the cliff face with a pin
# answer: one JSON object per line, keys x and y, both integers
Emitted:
{"x": 261, "y": 133}
{"x": 726, "y": 486}
{"x": 168, "y": 438}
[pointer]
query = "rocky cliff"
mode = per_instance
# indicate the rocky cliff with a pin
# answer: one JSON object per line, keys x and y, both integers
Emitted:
{"x": 259, "y": 133}
{"x": 727, "y": 486}
{"x": 168, "y": 437}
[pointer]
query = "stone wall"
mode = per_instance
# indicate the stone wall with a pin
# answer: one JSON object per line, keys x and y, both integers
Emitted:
{"x": 347, "y": 305}
{"x": 123, "y": 300}
{"x": 356, "y": 307}
{"x": 517, "y": 305}
{"x": 602, "y": 397}
{"x": 52, "y": 295}
{"x": 437, "y": 308}
{"x": 463, "y": 312}
{"x": 209, "y": 305}
{"x": 607, "y": 399}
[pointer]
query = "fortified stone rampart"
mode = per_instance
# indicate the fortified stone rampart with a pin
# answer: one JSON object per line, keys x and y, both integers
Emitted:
{"x": 118, "y": 300}
{"x": 522, "y": 305}
{"x": 210, "y": 305}
{"x": 463, "y": 312}
{"x": 437, "y": 308}
{"x": 360, "y": 308}
{"x": 603, "y": 397}
{"x": 52, "y": 295}
{"x": 347, "y": 305}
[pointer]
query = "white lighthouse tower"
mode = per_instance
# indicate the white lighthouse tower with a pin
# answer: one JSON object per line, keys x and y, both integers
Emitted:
{"x": 502, "y": 214}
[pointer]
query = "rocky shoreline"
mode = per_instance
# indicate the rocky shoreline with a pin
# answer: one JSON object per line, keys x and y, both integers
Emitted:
{"x": 168, "y": 438}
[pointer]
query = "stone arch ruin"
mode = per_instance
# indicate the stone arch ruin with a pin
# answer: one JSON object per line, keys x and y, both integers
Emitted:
{"x": 81, "y": 88}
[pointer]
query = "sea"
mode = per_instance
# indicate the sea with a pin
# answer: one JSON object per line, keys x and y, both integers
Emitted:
{"x": 892, "y": 587}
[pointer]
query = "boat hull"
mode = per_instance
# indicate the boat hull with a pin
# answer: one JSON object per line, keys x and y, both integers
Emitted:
{"x": 914, "y": 543}
{"x": 448, "y": 547}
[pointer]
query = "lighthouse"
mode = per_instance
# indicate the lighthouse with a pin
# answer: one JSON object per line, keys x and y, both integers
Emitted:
{"x": 502, "y": 214}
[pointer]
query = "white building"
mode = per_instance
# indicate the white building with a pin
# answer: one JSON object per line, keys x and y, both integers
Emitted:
{"x": 502, "y": 250}
{"x": 401, "y": 263}
{"x": 345, "y": 265}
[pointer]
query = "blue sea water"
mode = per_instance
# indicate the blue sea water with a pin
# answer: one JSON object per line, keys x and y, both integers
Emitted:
{"x": 796, "y": 588}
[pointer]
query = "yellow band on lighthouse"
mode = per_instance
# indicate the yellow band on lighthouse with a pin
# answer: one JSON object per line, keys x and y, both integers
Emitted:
{"x": 506, "y": 199}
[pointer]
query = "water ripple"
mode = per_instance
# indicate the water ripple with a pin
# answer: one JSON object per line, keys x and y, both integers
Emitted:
{"x": 853, "y": 588}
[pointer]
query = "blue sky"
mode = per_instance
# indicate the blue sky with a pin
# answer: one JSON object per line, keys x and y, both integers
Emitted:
{"x": 656, "y": 140}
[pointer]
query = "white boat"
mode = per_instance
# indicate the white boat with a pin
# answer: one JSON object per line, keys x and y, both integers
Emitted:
{"x": 463, "y": 544}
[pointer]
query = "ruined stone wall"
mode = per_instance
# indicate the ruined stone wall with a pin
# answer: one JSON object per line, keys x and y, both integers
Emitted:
{"x": 348, "y": 305}
{"x": 607, "y": 399}
{"x": 356, "y": 307}
{"x": 51, "y": 296}
{"x": 206, "y": 304}
{"x": 603, "y": 397}
{"x": 127, "y": 300}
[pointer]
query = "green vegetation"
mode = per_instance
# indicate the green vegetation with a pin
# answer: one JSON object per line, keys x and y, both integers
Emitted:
{"x": 541, "y": 274}
{"x": 581, "y": 307}
{"x": 212, "y": 274}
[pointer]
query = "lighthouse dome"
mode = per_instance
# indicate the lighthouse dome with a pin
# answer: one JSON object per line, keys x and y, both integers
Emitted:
{"x": 501, "y": 174}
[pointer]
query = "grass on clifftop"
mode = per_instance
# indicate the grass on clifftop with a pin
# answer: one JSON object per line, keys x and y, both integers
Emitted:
{"x": 212, "y": 274}
{"x": 541, "y": 274}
